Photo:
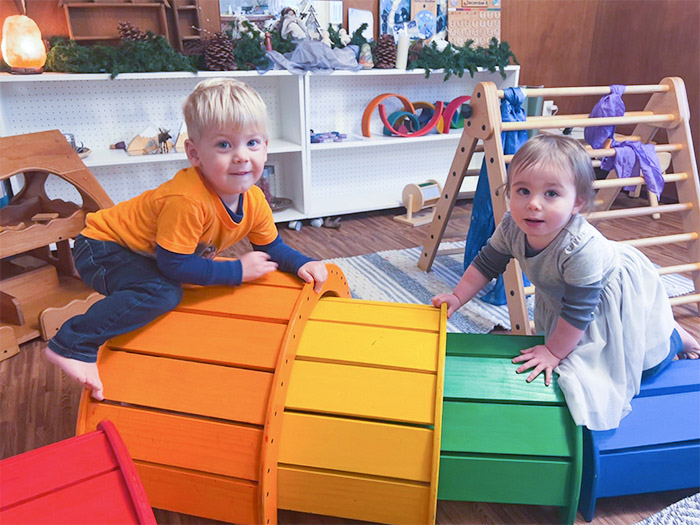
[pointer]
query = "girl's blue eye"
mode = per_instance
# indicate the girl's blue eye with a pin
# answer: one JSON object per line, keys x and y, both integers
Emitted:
{"x": 523, "y": 191}
{"x": 551, "y": 193}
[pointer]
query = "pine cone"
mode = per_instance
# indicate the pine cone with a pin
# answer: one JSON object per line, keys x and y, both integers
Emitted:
{"x": 193, "y": 47}
{"x": 385, "y": 52}
{"x": 128, "y": 31}
{"x": 218, "y": 53}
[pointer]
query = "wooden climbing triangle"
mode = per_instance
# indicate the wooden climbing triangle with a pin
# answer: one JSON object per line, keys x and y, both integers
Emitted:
{"x": 666, "y": 109}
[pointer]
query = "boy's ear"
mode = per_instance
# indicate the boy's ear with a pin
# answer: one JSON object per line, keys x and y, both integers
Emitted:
{"x": 192, "y": 154}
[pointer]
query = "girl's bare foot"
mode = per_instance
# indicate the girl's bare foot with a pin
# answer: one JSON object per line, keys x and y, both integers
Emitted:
{"x": 84, "y": 373}
{"x": 691, "y": 348}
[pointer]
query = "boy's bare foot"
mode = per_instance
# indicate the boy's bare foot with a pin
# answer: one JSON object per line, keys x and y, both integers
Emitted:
{"x": 691, "y": 347}
{"x": 84, "y": 373}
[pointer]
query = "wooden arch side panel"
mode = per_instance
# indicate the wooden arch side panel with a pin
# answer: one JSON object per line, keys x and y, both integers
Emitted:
{"x": 48, "y": 151}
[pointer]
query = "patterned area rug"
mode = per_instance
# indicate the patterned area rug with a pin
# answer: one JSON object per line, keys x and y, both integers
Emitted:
{"x": 394, "y": 276}
{"x": 683, "y": 512}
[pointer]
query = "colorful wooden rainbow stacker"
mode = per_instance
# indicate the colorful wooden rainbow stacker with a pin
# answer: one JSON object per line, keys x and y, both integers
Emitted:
{"x": 242, "y": 400}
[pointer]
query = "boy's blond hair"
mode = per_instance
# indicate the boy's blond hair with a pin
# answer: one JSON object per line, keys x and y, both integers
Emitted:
{"x": 224, "y": 103}
{"x": 562, "y": 152}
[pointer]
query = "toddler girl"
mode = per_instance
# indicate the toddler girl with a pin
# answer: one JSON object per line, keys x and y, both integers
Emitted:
{"x": 601, "y": 305}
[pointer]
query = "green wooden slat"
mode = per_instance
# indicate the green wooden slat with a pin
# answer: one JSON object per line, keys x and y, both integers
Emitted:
{"x": 495, "y": 380}
{"x": 504, "y": 480}
{"x": 490, "y": 345}
{"x": 495, "y": 428}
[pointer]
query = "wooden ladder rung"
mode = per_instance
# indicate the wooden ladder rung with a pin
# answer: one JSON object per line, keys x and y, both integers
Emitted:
{"x": 662, "y": 239}
{"x": 635, "y": 181}
{"x": 685, "y": 299}
{"x": 610, "y": 152}
{"x": 637, "y": 212}
{"x": 680, "y": 268}
{"x": 550, "y": 122}
{"x": 587, "y": 90}
{"x": 529, "y": 290}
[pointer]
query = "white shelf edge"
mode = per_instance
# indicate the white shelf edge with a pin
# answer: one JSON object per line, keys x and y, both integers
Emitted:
{"x": 50, "y": 76}
{"x": 383, "y": 140}
{"x": 108, "y": 157}
{"x": 389, "y": 72}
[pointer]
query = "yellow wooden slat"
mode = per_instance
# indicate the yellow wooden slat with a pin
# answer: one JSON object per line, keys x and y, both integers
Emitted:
{"x": 364, "y": 392}
{"x": 184, "y": 386}
{"x": 380, "y": 346}
{"x": 246, "y": 301}
{"x": 242, "y": 342}
{"x": 359, "y": 498}
{"x": 413, "y": 316}
{"x": 200, "y": 494}
{"x": 379, "y": 449}
{"x": 185, "y": 442}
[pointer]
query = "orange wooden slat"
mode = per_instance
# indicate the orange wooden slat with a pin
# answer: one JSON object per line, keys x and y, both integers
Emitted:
{"x": 239, "y": 342}
{"x": 184, "y": 386}
{"x": 185, "y": 442}
{"x": 246, "y": 301}
{"x": 197, "y": 493}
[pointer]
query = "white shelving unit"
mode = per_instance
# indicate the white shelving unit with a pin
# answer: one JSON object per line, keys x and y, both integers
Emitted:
{"x": 358, "y": 174}
{"x": 369, "y": 173}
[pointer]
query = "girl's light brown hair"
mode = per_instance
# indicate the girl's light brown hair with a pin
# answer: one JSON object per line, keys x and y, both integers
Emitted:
{"x": 224, "y": 103}
{"x": 562, "y": 152}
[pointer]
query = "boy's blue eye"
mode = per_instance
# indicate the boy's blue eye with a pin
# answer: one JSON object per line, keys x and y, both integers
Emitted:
{"x": 253, "y": 142}
{"x": 223, "y": 144}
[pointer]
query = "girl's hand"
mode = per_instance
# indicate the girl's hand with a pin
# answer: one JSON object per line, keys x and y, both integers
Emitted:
{"x": 453, "y": 303}
{"x": 255, "y": 265}
{"x": 541, "y": 359}
{"x": 314, "y": 271}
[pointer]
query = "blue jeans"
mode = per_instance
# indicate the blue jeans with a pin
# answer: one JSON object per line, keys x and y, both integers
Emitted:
{"x": 135, "y": 294}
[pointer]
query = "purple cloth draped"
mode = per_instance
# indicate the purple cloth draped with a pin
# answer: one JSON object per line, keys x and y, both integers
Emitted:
{"x": 631, "y": 157}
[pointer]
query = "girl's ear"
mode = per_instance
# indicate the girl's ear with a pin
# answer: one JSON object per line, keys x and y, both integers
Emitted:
{"x": 579, "y": 204}
{"x": 192, "y": 154}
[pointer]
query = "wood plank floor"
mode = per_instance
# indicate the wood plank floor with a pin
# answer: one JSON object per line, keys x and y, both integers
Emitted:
{"x": 38, "y": 405}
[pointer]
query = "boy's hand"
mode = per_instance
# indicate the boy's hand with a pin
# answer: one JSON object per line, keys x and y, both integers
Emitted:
{"x": 314, "y": 271}
{"x": 255, "y": 265}
{"x": 453, "y": 303}
{"x": 539, "y": 357}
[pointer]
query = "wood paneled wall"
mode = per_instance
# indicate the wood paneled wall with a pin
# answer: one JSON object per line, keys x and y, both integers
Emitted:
{"x": 603, "y": 42}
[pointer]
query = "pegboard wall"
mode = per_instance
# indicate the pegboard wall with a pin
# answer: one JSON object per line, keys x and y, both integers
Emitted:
{"x": 106, "y": 111}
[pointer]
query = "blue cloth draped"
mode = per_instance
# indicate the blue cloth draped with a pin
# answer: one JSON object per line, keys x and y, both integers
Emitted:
{"x": 482, "y": 223}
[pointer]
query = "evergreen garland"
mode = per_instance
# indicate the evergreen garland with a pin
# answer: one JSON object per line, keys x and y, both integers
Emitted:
{"x": 281, "y": 45}
{"x": 457, "y": 59}
{"x": 357, "y": 38}
{"x": 153, "y": 53}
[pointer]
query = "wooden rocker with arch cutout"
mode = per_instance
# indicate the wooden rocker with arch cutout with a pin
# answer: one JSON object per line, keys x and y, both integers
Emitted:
{"x": 38, "y": 289}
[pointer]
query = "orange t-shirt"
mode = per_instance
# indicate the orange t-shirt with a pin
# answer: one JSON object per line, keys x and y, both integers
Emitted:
{"x": 183, "y": 215}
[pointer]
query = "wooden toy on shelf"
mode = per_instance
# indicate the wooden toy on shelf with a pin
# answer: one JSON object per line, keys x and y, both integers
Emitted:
{"x": 85, "y": 479}
{"x": 417, "y": 197}
{"x": 666, "y": 109}
{"x": 39, "y": 290}
{"x": 198, "y": 394}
